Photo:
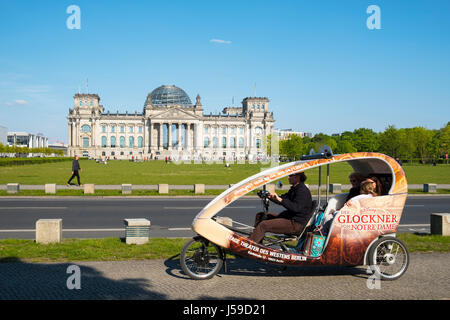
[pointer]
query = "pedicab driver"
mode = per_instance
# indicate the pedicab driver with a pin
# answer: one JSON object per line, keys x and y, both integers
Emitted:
{"x": 298, "y": 204}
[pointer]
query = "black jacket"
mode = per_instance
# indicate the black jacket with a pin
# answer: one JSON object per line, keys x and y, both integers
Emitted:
{"x": 298, "y": 204}
{"x": 353, "y": 193}
{"x": 75, "y": 165}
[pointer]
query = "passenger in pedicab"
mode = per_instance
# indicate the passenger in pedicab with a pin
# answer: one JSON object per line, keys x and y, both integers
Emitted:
{"x": 368, "y": 189}
{"x": 355, "y": 179}
{"x": 298, "y": 204}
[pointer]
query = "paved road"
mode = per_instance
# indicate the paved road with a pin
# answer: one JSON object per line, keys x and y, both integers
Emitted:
{"x": 426, "y": 278}
{"x": 170, "y": 217}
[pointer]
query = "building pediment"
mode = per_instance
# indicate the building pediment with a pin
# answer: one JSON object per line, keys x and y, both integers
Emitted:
{"x": 175, "y": 113}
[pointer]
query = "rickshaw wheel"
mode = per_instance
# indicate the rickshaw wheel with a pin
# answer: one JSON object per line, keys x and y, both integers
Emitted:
{"x": 388, "y": 258}
{"x": 201, "y": 259}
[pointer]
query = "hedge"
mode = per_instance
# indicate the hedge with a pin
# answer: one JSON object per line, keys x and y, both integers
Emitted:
{"x": 4, "y": 162}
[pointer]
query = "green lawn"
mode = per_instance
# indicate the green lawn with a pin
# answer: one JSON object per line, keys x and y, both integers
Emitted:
{"x": 110, "y": 249}
{"x": 155, "y": 172}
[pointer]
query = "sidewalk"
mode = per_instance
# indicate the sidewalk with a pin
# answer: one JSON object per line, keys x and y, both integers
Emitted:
{"x": 426, "y": 278}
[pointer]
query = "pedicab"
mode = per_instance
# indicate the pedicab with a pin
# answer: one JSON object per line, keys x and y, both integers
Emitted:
{"x": 360, "y": 234}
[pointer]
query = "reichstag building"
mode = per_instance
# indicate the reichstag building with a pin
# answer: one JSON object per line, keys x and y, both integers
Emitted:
{"x": 169, "y": 126}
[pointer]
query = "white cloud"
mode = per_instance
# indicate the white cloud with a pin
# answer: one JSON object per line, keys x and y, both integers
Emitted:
{"x": 20, "y": 101}
{"x": 220, "y": 41}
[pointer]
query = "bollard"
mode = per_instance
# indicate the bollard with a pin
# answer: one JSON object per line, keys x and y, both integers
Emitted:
{"x": 199, "y": 188}
{"x": 127, "y": 188}
{"x": 136, "y": 231}
{"x": 430, "y": 187}
{"x": 12, "y": 188}
{"x": 89, "y": 189}
{"x": 163, "y": 188}
{"x": 335, "y": 188}
{"x": 48, "y": 231}
{"x": 50, "y": 188}
{"x": 440, "y": 224}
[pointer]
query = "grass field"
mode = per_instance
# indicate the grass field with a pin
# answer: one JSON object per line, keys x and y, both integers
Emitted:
{"x": 155, "y": 172}
{"x": 109, "y": 249}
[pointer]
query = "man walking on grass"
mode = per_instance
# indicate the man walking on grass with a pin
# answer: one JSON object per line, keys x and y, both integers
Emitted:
{"x": 75, "y": 171}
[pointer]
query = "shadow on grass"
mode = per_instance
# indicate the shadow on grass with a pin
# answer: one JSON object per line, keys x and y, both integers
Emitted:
{"x": 48, "y": 281}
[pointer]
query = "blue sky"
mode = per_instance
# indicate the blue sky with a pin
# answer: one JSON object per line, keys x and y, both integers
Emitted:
{"x": 318, "y": 63}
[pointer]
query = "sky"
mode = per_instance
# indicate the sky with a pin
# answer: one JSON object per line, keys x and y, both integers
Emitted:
{"x": 318, "y": 62}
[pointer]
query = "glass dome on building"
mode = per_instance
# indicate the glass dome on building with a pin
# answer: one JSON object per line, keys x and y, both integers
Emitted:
{"x": 170, "y": 95}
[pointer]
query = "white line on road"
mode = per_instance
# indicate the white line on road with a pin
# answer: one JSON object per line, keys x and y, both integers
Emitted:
{"x": 414, "y": 225}
{"x": 188, "y": 208}
{"x": 170, "y": 229}
{"x": 33, "y": 208}
{"x": 64, "y": 230}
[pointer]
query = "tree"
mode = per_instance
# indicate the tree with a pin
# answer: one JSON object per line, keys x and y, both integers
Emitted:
{"x": 365, "y": 140}
{"x": 390, "y": 141}
{"x": 292, "y": 147}
{"x": 444, "y": 140}
{"x": 422, "y": 138}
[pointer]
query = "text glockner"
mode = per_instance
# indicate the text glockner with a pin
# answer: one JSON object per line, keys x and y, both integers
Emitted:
{"x": 368, "y": 218}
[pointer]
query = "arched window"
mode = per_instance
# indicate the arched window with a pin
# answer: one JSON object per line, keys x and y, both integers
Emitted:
{"x": 131, "y": 142}
{"x": 233, "y": 143}
{"x": 86, "y": 128}
{"x": 241, "y": 142}
{"x": 140, "y": 142}
{"x": 224, "y": 142}
{"x": 113, "y": 142}
{"x": 122, "y": 142}
{"x": 206, "y": 142}
{"x": 215, "y": 142}
{"x": 103, "y": 141}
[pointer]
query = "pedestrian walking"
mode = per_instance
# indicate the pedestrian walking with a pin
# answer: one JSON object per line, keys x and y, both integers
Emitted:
{"x": 75, "y": 171}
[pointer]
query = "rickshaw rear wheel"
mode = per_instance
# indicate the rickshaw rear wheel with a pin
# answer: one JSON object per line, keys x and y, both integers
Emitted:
{"x": 388, "y": 258}
{"x": 201, "y": 259}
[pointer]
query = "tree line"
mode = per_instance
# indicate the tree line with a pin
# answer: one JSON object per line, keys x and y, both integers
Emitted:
{"x": 408, "y": 144}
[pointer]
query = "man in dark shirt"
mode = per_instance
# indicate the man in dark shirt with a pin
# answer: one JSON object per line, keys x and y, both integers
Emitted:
{"x": 75, "y": 171}
{"x": 355, "y": 179}
{"x": 298, "y": 205}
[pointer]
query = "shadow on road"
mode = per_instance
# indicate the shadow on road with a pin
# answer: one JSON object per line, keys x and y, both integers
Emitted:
{"x": 21, "y": 280}
{"x": 248, "y": 267}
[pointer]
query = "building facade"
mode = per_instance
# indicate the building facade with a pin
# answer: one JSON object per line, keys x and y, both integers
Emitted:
{"x": 25, "y": 139}
{"x": 169, "y": 126}
{"x": 284, "y": 134}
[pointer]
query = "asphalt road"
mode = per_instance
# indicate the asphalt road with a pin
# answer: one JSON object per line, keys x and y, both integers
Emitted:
{"x": 86, "y": 217}
{"x": 426, "y": 278}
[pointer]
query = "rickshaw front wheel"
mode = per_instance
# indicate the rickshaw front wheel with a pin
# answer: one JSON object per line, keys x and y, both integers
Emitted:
{"x": 201, "y": 259}
{"x": 388, "y": 258}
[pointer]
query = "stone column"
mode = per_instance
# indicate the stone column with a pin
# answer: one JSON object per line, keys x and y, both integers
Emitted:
{"x": 188, "y": 137}
{"x": 70, "y": 134}
{"x": 161, "y": 136}
{"x": 179, "y": 146}
{"x": 147, "y": 133}
{"x": 169, "y": 136}
{"x": 77, "y": 130}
